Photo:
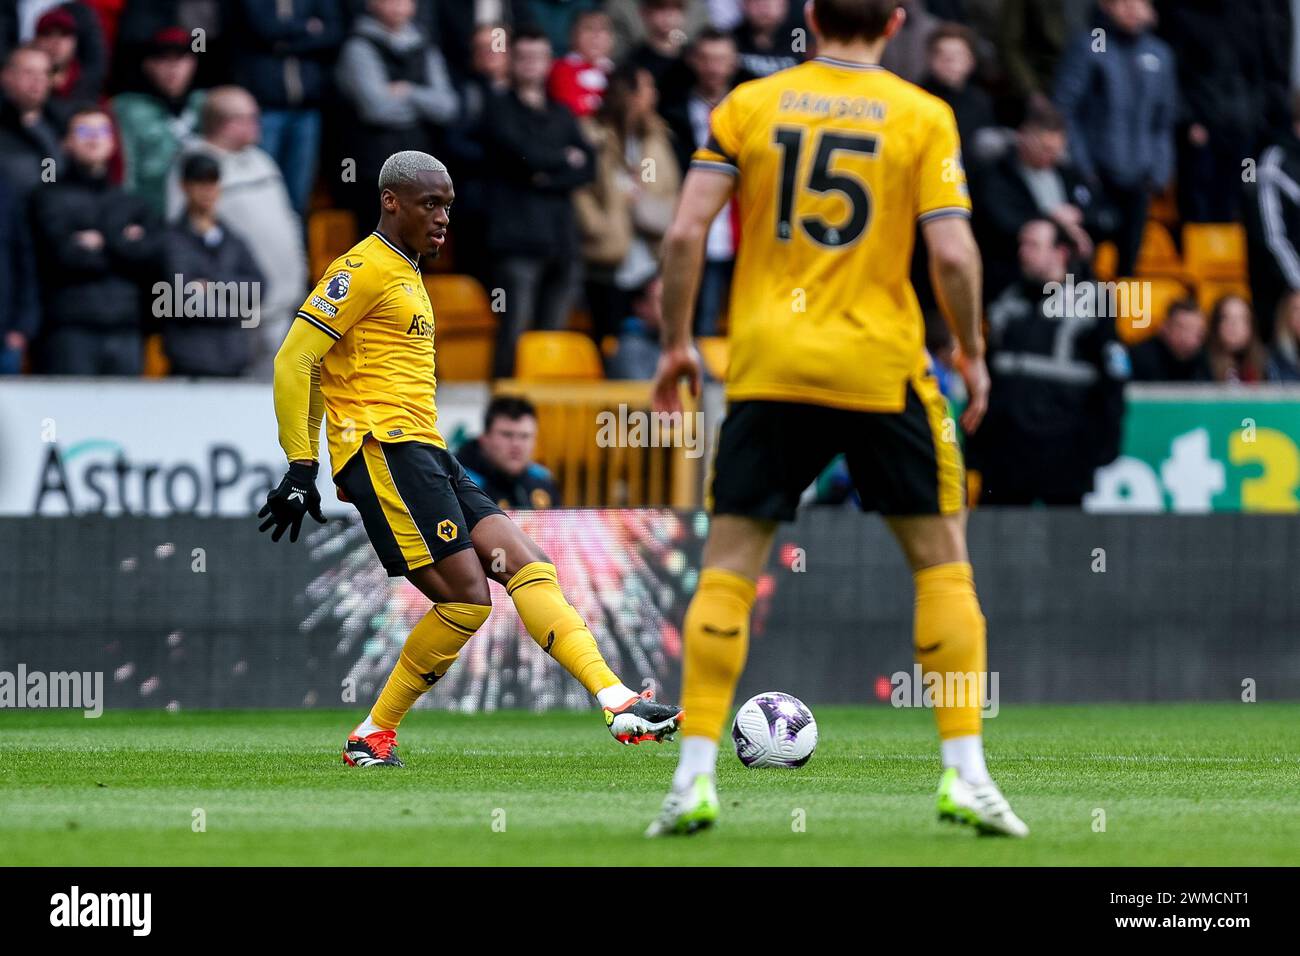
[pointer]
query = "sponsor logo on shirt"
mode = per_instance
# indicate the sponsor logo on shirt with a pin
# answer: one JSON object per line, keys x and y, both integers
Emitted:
{"x": 327, "y": 307}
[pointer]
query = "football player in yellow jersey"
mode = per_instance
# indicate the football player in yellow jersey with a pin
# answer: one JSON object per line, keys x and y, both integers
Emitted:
{"x": 833, "y": 164}
{"x": 361, "y": 354}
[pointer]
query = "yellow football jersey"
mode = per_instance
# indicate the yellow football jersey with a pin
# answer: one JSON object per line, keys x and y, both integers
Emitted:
{"x": 378, "y": 376}
{"x": 836, "y": 162}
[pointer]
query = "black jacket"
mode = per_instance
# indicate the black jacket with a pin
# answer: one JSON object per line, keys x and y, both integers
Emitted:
{"x": 23, "y": 149}
{"x": 1153, "y": 362}
{"x": 103, "y": 289}
{"x": 213, "y": 343}
{"x": 1057, "y": 395}
{"x": 534, "y": 488}
{"x": 531, "y": 182}
{"x": 277, "y": 59}
{"x": 972, "y": 106}
{"x": 19, "y": 301}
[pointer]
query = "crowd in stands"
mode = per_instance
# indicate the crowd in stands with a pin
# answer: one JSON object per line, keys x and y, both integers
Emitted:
{"x": 191, "y": 143}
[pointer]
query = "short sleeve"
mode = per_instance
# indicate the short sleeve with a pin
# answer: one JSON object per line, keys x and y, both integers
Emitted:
{"x": 941, "y": 188}
{"x": 722, "y": 148}
{"x": 346, "y": 293}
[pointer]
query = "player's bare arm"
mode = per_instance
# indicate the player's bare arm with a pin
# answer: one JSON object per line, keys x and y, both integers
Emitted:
{"x": 956, "y": 272}
{"x": 704, "y": 195}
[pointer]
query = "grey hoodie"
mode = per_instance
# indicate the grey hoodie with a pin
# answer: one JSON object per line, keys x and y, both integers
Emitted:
{"x": 364, "y": 81}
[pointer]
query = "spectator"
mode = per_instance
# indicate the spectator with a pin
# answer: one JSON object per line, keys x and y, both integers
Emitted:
{"x": 1031, "y": 181}
{"x": 154, "y": 122}
{"x": 555, "y": 18}
{"x": 1119, "y": 102}
{"x": 1273, "y": 220}
{"x": 950, "y": 64}
{"x": 97, "y": 245}
{"x": 201, "y": 249}
{"x": 255, "y": 204}
{"x": 578, "y": 80}
{"x": 71, "y": 35}
{"x": 713, "y": 63}
{"x": 1031, "y": 36}
{"x": 399, "y": 89}
{"x": 906, "y": 52}
{"x": 1058, "y": 376}
{"x": 626, "y": 211}
{"x": 628, "y": 18}
{"x": 1176, "y": 353}
{"x": 1284, "y": 360}
{"x": 500, "y": 461}
{"x": 536, "y": 157}
{"x": 282, "y": 55}
{"x": 764, "y": 41}
{"x": 636, "y": 350}
{"x": 459, "y": 22}
{"x": 660, "y": 51}
{"x": 29, "y": 135}
{"x": 19, "y": 302}
{"x": 1236, "y": 353}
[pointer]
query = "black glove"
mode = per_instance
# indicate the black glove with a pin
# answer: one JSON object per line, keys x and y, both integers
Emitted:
{"x": 293, "y": 497}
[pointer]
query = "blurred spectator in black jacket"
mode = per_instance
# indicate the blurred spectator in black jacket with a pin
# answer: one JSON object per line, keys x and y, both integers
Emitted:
{"x": 536, "y": 157}
{"x": 1033, "y": 180}
{"x": 1058, "y": 373}
{"x": 1031, "y": 36}
{"x": 905, "y": 53}
{"x": 660, "y": 51}
{"x": 1272, "y": 219}
{"x": 96, "y": 245}
{"x": 1118, "y": 91}
{"x": 20, "y": 313}
{"x": 400, "y": 92}
{"x": 950, "y": 66}
{"x": 636, "y": 349}
{"x": 154, "y": 121}
{"x": 500, "y": 461}
{"x": 713, "y": 63}
{"x": 282, "y": 54}
{"x": 1176, "y": 353}
{"x": 765, "y": 39}
{"x": 630, "y": 27}
{"x": 30, "y": 148}
{"x": 202, "y": 254}
{"x": 1284, "y": 357}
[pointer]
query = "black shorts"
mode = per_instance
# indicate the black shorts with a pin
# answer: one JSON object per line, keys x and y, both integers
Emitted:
{"x": 416, "y": 502}
{"x": 901, "y": 463}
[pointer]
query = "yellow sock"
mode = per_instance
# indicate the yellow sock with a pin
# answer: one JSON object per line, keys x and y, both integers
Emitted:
{"x": 949, "y": 638}
{"x": 430, "y": 650}
{"x": 716, "y": 632}
{"x": 557, "y": 627}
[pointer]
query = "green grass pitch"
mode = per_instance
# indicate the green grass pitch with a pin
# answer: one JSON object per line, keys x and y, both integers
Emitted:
{"x": 1178, "y": 784}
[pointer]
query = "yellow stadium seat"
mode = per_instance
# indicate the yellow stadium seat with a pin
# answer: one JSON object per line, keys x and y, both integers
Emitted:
{"x": 1164, "y": 207}
{"x": 1154, "y": 296}
{"x": 1158, "y": 256}
{"x": 548, "y": 356}
{"x": 330, "y": 233}
{"x": 1211, "y": 291}
{"x": 714, "y": 354}
{"x": 1104, "y": 261}
{"x": 1215, "y": 250}
{"x": 156, "y": 363}
{"x": 465, "y": 327}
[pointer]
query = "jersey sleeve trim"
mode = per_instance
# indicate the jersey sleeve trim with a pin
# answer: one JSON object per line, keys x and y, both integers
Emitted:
{"x": 944, "y": 212}
{"x": 729, "y": 168}
{"x": 313, "y": 320}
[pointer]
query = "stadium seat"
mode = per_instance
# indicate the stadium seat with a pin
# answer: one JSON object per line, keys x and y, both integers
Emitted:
{"x": 1215, "y": 250}
{"x": 1158, "y": 256}
{"x": 1212, "y": 290}
{"x": 156, "y": 363}
{"x": 548, "y": 356}
{"x": 465, "y": 327}
{"x": 1105, "y": 261}
{"x": 714, "y": 354}
{"x": 1129, "y": 325}
{"x": 330, "y": 233}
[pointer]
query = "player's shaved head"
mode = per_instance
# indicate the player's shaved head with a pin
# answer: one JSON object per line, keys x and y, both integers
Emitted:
{"x": 415, "y": 197}
{"x": 849, "y": 20}
{"x": 402, "y": 171}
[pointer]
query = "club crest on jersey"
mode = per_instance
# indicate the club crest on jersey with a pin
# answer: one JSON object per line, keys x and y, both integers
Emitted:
{"x": 337, "y": 287}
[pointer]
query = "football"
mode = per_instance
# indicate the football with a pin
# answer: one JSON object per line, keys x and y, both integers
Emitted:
{"x": 774, "y": 729}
